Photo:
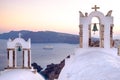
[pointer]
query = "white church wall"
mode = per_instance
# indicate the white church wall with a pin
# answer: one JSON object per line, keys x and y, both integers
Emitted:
{"x": 30, "y": 58}
{"x": 16, "y": 58}
{"x": 107, "y": 36}
{"x": 25, "y": 58}
{"x": 10, "y": 58}
{"x": 85, "y": 36}
{"x": 25, "y": 44}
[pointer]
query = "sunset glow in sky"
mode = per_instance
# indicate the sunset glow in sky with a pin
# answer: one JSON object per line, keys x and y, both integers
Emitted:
{"x": 53, "y": 15}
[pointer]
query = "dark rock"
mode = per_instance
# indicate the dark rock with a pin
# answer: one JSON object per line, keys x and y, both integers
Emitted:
{"x": 35, "y": 66}
{"x": 68, "y": 56}
{"x": 53, "y": 70}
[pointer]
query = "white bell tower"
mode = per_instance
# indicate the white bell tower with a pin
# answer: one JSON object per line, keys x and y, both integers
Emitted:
{"x": 105, "y": 30}
{"x": 23, "y": 46}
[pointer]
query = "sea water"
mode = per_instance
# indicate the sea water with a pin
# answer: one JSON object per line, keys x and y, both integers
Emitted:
{"x": 40, "y": 55}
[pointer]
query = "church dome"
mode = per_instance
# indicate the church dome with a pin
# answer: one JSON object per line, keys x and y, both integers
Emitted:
{"x": 92, "y": 64}
{"x": 20, "y": 74}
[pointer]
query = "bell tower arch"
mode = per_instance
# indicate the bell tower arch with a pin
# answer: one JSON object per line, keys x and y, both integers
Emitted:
{"x": 106, "y": 28}
{"x": 16, "y": 47}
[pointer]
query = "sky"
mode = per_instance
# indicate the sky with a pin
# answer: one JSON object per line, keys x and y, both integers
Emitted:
{"x": 51, "y": 15}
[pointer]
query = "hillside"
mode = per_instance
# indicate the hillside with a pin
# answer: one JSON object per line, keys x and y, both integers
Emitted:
{"x": 43, "y": 36}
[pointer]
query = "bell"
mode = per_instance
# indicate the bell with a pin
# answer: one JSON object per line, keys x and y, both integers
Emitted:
{"x": 19, "y": 48}
{"x": 94, "y": 28}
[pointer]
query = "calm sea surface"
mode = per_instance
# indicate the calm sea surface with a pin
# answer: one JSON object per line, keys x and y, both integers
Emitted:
{"x": 39, "y": 55}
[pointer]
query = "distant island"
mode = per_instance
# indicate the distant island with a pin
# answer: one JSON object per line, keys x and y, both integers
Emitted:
{"x": 43, "y": 36}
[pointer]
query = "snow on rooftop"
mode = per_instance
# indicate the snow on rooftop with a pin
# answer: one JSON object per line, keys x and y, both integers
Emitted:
{"x": 20, "y": 74}
{"x": 92, "y": 64}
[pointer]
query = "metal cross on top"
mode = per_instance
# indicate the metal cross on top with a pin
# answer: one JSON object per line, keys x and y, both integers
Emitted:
{"x": 95, "y": 7}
